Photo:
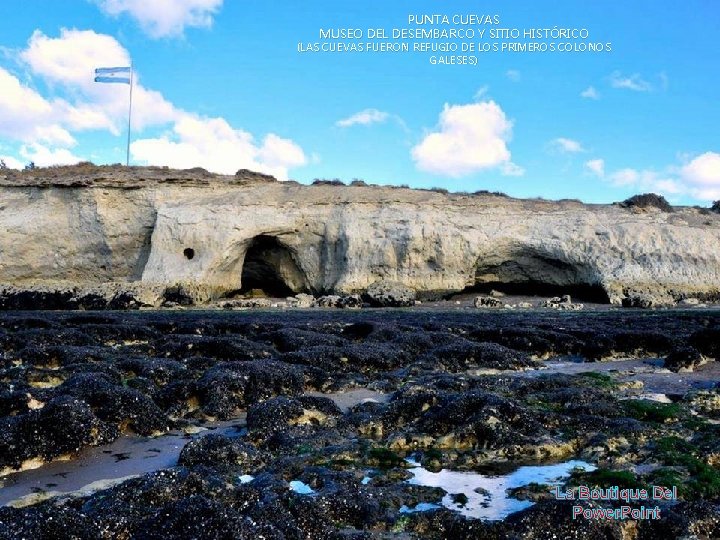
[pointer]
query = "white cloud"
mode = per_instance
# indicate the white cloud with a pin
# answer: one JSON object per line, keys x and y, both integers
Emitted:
{"x": 43, "y": 156}
{"x": 70, "y": 61}
{"x": 699, "y": 178}
{"x": 280, "y": 154}
{"x": 646, "y": 180}
{"x": 590, "y": 93}
{"x": 364, "y": 118}
{"x": 634, "y": 82}
{"x": 215, "y": 145}
{"x": 71, "y": 58}
{"x": 511, "y": 169}
{"x": 625, "y": 177}
{"x": 481, "y": 92}
{"x": 596, "y": 166}
{"x": 27, "y": 116}
{"x": 162, "y": 18}
{"x": 513, "y": 74}
{"x": 567, "y": 146}
{"x": 469, "y": 138}
{"x": 702, "y": 176}
{"x": 704, "y": 170}
{"x": 45, "y": 126}
{"x": 11, "y": 162}
{"x": 668, "y": 186}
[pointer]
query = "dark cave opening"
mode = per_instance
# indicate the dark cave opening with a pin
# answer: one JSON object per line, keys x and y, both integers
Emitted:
{"x": 528, "y": 273}
{"x": 584, "y": 293}
{"x": 270, "y": 270}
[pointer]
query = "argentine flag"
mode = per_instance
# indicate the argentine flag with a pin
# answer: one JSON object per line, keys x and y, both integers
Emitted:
{"x": 113, "y": 75}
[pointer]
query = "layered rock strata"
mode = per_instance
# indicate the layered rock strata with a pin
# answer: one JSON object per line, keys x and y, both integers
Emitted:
{"x": 110, "y": 230}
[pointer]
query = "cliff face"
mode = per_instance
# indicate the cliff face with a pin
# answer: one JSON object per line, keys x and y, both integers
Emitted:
{"x": 150, "y": 228}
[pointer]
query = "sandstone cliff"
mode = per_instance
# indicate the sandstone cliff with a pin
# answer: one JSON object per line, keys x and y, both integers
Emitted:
{"x": 145, "y": 229}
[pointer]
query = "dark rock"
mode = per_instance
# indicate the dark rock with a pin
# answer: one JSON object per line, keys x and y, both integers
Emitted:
{"x": 160, "y": 370}
{"x": 176, "y": 296}
{"x": 47, "y": 522}
{"x": 488, "y": 302}
{"x": 63, "y": 426}
{"x": 463, "y": 354}
{"x": 216, "y": 450}
{"x": 358, "y": 330}
{"x": 707, "y": 342}
{"x": 218, "y": 347}
{"x": 124, "y": 407}
{"x": 125, "y": 300}
{"x": 483, "y": 420}
{"x": 293, "y": 339}
{"x": 338, "y": 301}
{"x": 684, "y": 360}
{"x": 277, "y": 414}
{"x": 556, "y": 517}
{"x": 227, "y": 388}
{"x": 698, "y": 519}
{"x": 200, "y": 517}
{"x": 562, "y": 303}
{"x": 644, "y": 301}
{"x": 364, "y": 357}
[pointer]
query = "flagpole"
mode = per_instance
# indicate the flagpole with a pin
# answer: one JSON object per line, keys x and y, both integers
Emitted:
{"x": 127, "y": 155}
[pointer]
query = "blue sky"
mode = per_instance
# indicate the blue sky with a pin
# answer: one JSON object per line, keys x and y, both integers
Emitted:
{"x": 221, "y": 84}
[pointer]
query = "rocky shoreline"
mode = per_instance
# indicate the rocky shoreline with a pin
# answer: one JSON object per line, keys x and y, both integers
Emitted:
{"x": 382, "y": 294}
{"x": 474, "y": 391}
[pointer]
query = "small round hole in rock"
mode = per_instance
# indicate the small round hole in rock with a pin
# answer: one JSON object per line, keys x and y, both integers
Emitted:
{"x": 189, "y": 253}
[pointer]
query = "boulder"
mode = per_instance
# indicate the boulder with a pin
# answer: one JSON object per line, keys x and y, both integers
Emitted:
{"x": 684, "y": 360}
{"x": 488, "y": 302}
{"x": 215, "y": 449}
{"x": 341, "y": 301}
{"x": 563, "y": 302}
{"x": 303, "y": 300}
{"x": 647, "y": 299}
{"x": 389, "y": 294}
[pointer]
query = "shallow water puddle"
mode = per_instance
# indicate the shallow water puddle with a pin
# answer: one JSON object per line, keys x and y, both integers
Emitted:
{"x": 131, "y": 456}
{"x": 347, "y": 399}
{"x": 487, "y": 496}
{"x": 301, "y": 488}
{"x": 103, "y": 466}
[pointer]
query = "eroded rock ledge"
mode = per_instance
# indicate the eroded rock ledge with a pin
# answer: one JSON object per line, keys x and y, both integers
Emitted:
{"x": 141, "y": 230}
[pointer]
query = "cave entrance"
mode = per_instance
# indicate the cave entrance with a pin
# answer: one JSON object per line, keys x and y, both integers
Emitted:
{"x": 533, "y": 275}
{"x": 270, "y": 270}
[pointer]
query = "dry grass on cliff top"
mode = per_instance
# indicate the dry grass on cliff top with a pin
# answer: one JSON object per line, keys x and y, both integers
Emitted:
{"x": 87, "y": 174}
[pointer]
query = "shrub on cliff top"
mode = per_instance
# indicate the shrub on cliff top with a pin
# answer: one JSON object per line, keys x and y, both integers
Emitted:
{"x": 715, "y": 207}
{"x": 494, "y": 193}
{"x": 325, "y": 182}
{"x": 247, "y": 174}
{"x": 647, "y": 200}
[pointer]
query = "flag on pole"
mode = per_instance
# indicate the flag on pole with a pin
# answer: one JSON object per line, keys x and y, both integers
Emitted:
{"x": 123, "y": 75}
{"x": 113, "y": 75}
